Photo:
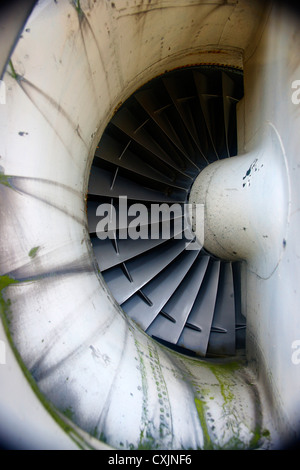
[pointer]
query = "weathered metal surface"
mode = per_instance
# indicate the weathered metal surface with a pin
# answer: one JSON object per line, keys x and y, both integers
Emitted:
{"x": 74, "y": 64}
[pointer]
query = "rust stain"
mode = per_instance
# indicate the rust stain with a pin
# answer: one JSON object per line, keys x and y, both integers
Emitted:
{"x": 117, "y": 107}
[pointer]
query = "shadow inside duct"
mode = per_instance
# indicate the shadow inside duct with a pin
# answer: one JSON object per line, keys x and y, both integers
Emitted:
{"x": 150, "y": 154}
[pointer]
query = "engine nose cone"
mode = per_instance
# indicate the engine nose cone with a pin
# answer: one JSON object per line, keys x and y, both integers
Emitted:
{"x": 246, "y": 205}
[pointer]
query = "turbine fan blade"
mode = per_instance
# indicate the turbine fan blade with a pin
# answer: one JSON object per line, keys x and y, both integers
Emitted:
{"x": 151, "y": 152}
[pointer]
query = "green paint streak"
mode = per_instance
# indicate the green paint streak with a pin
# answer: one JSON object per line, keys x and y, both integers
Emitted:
{"x": 208, "y": 444}
{"x": 78, "y": 8}
{"x": 32, "y": 253}
{"x": 234, "y": 443}
{"x": 68, "y": 412}
{"x": 224, "y": 373}
{"x": 144, "y": 442}
{"x": 224, "y": 368}
{"x": 5, "y": 281}
{"x": 103, "y": 438}
{"x": 256, "y": 438}
{"x": 4, "y": 179}
{"x": 266, "y": 433}
{"x": 12, "y": 72}
{"x": 146, "y": 439}
{"x": 147, "y": 442}
{"x": 226, "y": 392}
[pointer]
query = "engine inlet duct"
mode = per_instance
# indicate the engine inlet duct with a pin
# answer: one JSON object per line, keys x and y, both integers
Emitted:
{"x": 150, "y": 154}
